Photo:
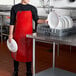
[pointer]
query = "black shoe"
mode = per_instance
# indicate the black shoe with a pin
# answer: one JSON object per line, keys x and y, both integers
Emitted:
{"x": 28, "y": 74}
{"x": 15, "y": 73}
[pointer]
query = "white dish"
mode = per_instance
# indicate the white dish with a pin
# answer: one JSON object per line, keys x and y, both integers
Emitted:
{"x": 70, "y": 21}
{"x": 61, "y": 23}
{"x": 53, "y": 19}
{"x": 66, "y": 22}
{"x": 12, "y": 46}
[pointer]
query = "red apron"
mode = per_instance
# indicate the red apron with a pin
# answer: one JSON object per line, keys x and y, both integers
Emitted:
{"x": 23, "y": 26}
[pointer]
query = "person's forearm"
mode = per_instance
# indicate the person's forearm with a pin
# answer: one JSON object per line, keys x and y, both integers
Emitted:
{"x": 11, "y": 29}
{"x": 41, "y": 21}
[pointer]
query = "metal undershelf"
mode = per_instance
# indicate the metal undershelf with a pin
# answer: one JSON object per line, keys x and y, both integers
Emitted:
{"x": 56, "y": 72}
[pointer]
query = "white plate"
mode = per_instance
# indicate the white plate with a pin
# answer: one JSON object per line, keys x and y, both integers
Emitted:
{"x": 66, "y": 22}
{"x": 61, "y": 23}
{"x": 53, "y": 19}
{"x": 63, "y": 26}
{"x": 12, "y": 46}
{"x": 70, "y": 21}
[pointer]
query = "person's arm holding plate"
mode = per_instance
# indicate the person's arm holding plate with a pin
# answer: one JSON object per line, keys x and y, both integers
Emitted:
{"x": 37, "y": 19}
{"x": 12, "y": 23}
{"x": 11, "y": 32}
{"x": 42, "y": 21}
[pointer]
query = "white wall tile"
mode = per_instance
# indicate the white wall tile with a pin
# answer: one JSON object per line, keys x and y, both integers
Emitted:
{"x": 63, "y": 3}
{"x": 17, "y": 1}
{"x": 6, "y": 2}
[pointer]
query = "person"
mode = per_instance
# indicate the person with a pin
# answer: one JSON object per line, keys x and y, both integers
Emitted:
{"x": 21, "y": 18}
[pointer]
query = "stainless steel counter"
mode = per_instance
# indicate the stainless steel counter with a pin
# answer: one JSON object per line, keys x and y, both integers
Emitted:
{"x": 4, "y": 13}
{"x": 68, "y": 40}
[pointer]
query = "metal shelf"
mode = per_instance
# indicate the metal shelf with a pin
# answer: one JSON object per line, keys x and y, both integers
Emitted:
{"x": 3, "y": 34}
{"x": 2, "y": 14}
{"x": 68, "y": 8}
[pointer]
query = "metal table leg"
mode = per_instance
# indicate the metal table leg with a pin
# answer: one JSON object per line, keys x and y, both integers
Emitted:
{"x": 33, "y": 57}
{"x": 53, "y": 55}
{"x": 1, "y": 35}
{"x": 1, "y": 31}
{"x": 70, "y": 49}
{"x": 58, "y": 49}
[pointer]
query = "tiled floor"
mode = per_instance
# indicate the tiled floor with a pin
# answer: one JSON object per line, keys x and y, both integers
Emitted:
{"x": 6, "y": 62}
{"x": 55, "y": 72}
{"x": 66, "y": 60}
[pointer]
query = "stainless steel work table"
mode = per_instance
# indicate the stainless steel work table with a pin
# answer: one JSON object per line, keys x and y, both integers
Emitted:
{"x": 67, "y": 40}
{"x": 3, "y": 14}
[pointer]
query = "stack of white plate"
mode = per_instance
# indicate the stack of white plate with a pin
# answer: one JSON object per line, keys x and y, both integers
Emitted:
{"x": 59, "y": 22}
{"x": 65, "y": 22}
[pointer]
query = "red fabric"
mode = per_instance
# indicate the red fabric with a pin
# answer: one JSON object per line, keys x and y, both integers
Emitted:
{"x": 23, "y": 26}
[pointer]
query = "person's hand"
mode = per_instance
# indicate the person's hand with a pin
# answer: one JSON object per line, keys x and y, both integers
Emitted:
{"x": 10, "y": 37}
{"x": 46, "y": 21}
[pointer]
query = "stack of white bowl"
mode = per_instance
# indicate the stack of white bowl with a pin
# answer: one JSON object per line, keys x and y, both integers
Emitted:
{"x": 59, "y": 22}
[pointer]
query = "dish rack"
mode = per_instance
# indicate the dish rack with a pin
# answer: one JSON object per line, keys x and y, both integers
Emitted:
{"x": 46, "y": 30}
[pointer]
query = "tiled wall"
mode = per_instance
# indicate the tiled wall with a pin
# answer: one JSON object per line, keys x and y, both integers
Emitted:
{"x": 56, "y": 3}
{"x": 6, "y": 2}
{"x": 44, "y": 11}
{"x": 39, "y": 4}
{"x": 63, "y": 3}
{"x": 66, "y": 3}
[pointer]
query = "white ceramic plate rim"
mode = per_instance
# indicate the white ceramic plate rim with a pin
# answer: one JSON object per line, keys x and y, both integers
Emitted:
{"x": 12, "y": 42}
{"x": 70, "y": 21}
{"x": 66, "y": 22}
{"x": 51, "y": 26}
{"x": 60, "y": 20}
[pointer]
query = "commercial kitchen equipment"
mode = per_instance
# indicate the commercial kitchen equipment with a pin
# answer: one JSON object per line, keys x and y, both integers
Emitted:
{"x": 4, "y": 20}
{"x": 46, "y": 30}
{"x": 53, "y": 71}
